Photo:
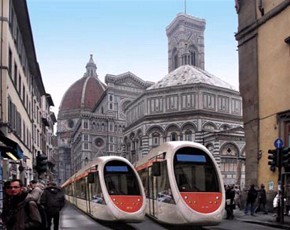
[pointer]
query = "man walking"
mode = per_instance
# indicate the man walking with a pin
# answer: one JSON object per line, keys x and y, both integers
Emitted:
{"x": 230, "y": 195}
{"x": 251, "y": 198}
{"x": 262, "y": 200}
{"x": 53, "y": 201}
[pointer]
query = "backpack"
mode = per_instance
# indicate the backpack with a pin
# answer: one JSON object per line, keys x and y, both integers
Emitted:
{"x": 44, "y": 222}
{"x": 252, "y": 194}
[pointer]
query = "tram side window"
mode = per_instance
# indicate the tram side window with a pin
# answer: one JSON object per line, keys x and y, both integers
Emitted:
{"x": 150, "y": 183}
{"x": 164, "y": 193}
{"x": 97, "y": 195}
{"x": 65, "y": 189}
{"x": 69, "y": 190}
{"x": 81, "y": 188}
{"x": 77, "y": 189}
{"x": 144, "y": 178}
{"x": 96, "y": 186}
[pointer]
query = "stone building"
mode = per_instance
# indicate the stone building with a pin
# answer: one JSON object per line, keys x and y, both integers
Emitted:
{"x": 26, "y": 120}
{"x": 264, "y": 42}
{"x": 129, "y": 116}
{"x": 189, "y": 104}
{"x": 91, "y": 117}
{"x": 80, "y": 97}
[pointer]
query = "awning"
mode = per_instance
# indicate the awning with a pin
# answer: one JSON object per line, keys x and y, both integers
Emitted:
{"x": 9, "y": 148}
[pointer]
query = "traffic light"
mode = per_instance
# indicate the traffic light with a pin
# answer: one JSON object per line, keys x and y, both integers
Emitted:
{"x": 286, "y": 157}
{"x": 273, "y": 157}
{"x": 41, "y": 163}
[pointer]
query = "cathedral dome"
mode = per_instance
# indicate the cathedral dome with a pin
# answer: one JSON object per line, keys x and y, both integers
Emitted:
{"x": 85, "y": 92}
{"x": 187, "y": 74}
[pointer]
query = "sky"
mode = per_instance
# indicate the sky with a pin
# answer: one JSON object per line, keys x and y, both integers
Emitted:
{"x": 124, "y": 35}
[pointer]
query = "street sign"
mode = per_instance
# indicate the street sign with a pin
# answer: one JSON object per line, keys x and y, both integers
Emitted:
{"x": 278, "y": 143}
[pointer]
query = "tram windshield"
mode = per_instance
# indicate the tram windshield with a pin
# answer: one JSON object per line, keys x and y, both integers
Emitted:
{"x": 195, "y": 171}
{"x": 120, "y": 179}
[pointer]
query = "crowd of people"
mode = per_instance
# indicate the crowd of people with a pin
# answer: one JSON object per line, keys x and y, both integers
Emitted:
{"x": 255, "y": 200}
{"x": 21, "y": 205}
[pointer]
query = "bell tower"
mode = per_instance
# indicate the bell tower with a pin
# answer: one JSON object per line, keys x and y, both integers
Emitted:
{"x": 185, "y": 42}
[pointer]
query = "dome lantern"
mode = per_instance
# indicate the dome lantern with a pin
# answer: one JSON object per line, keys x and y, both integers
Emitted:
{"x": 91, "y": 68}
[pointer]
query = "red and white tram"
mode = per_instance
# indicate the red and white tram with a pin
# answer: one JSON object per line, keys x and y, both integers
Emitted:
{"x": 109, "y": 189}
{"x": 183, "y": 184}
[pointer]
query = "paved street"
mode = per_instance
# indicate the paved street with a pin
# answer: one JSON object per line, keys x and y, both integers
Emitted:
{"x": 72, "y": 218}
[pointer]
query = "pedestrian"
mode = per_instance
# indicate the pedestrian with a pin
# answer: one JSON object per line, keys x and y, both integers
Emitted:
{"x": 32, "y": 185}
{"x": 262, "y": 200}
{"x": 7, "y": 189}
{"x": 276, "y": 202}
{"x": 6, "y": 201}
{"x": 53, "y": 200}
{"x": 230, "y": 195}
{"x": 36, "y": 191}
{"x": 251, "y": 198}
{"x": 23, "y": 213}
{"x": 238, "y": 196}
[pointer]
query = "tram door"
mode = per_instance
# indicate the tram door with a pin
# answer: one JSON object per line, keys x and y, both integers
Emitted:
{"x": 152, "y": 193}
{"x": 88, "y": 198}
{"x": 90, "y": 182}
{"x": 154, "y": 173}
{"x": 74, "y": 200}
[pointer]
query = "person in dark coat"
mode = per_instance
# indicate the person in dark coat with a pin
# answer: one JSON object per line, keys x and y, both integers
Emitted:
{"x": 22, "y": 213}
{"x": 230, "y": 195}
{"x": 262, "y": 200}
{"x": 53, "y": 200}
{"x": 6, "y": 200}
{"x": 251, "y": 198}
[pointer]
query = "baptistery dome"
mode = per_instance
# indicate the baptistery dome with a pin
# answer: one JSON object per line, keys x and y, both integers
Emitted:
{"x": 188, "y": 74}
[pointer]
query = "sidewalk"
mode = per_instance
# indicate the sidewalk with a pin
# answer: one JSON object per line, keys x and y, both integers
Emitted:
{"x": 263, "y": 219}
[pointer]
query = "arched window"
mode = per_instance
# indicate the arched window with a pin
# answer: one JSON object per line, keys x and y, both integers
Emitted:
{"x": 173, "y": 137}
{"x": 86, "y": 126}
{"x": 175, "y": 61}
{"x": 192, "y": 58}
{"x": 185, "y": 59}
{"x": 225, "y": 127}
{"x": 188, "y": 135}
{"x": 209, "y": 127}
{"x": 155, "y": 139}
